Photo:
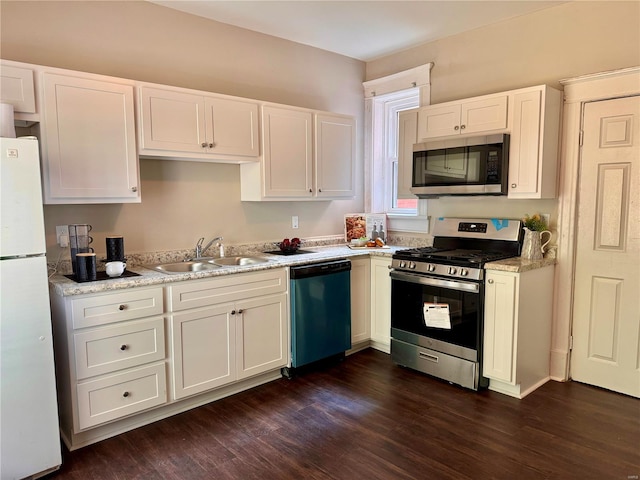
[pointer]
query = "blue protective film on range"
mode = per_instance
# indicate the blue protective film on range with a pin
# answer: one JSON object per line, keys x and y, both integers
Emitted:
{"x": 500, "y": 224}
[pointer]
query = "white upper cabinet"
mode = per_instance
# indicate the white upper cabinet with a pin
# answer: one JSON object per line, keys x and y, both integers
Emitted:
{"x": 533, "y": 154}
{"x": 89, "y": 146}
{"x": 17, "y": 88}
{"x": 288, "y": 152}
{"x": 183, "y": 125}
{"x": 481, "y": 114}
{"x": 307, "y": 155}
{"x": 335, "y": 142}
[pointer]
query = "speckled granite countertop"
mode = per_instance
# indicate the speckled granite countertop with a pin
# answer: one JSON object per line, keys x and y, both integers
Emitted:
{"x": 63, "y": 286}
{"x": 519, "y": 264}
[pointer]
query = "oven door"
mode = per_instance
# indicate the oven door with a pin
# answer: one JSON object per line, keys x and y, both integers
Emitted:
{"x": 440, "y": 314}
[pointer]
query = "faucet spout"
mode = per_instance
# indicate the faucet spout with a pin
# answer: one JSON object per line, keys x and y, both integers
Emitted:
{"x": 200, "y": 250}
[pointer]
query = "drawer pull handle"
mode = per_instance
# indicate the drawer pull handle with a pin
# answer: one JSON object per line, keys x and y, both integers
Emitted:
{"x": 124, "y": 347}
{"x": 490, "y": 280}
{"x": 125, "y": 394}
{"x": 513, "y": 185}
{"x": 429, "y": 357}
{"x": 122, "y": 307}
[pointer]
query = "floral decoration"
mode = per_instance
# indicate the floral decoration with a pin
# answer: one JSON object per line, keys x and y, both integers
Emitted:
{"x": 535, "y": 222}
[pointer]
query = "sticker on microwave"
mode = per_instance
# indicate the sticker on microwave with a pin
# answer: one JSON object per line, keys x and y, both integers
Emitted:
{"x": 436, "y": 315}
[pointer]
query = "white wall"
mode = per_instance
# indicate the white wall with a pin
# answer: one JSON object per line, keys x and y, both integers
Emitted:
{"x": 568, "y": 40}
{"x": 182, "y": 201}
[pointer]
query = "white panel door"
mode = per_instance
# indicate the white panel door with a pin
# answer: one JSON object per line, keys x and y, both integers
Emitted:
{"x": 203, "y": 349}
{"x": 232, "y": 127}
{"x": 173, "y": 121}
{"x": 524, "y": 152}
{"x": 288, "y": 148}
{"x": 261, "y": 335}
{"x": 335, "y": 156}
{"x": 606, "y": 320}
{"x": 91, "y": 152}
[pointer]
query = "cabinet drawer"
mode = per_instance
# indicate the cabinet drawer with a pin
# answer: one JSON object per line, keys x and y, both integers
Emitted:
{"x": 107, "y": 349}
{"x": 229, "y": 288}
{"x": 89, "y": 311}
{"x": 119, "y": 395}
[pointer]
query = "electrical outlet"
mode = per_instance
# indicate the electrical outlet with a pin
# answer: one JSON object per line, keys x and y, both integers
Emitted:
{"x": 62, "y": 235}
{"x": 294, "y": 221}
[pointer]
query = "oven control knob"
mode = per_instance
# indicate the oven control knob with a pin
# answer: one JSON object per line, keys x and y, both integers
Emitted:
{"x": 402, "y": 264}
{"x": 464, "y": 272}
{"x": 452, "y": 270}
{"x": 431, "y": 268}
{"x": 412, "y": 265}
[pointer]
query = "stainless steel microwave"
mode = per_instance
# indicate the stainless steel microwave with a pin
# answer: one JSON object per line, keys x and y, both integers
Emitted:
{"x": 463, "y": 166}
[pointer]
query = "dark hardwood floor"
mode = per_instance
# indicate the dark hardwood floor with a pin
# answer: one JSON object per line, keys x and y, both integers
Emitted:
{"x": 366, "y": 418}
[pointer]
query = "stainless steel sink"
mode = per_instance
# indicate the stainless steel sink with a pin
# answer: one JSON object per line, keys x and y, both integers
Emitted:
{"x": 185, "y": 267}
{"x": 239, "y": 260}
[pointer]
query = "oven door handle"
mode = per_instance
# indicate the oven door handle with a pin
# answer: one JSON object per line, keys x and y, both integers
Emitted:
{"x": 436, "y": 282}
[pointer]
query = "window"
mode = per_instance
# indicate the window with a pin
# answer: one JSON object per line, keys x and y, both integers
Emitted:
{"x": 385, "y": 99}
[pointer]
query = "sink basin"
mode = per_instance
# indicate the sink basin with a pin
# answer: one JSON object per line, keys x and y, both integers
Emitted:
{"x": 239, "y": 260}
{"x": 185, "y": 267}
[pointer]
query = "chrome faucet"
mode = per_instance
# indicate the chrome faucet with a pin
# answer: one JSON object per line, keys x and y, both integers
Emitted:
{"x": 200, "y": 250}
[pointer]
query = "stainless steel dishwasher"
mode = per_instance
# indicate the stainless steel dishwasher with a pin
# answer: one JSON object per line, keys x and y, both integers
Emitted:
{"x": 320, "y": 312}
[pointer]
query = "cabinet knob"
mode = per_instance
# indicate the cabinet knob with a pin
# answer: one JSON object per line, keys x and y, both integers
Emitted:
{"x": 240, "y": 312}
{"x": 124, "y": 347}
{"x": 462, "y": 127}
{"x": 134, "y": 189}
{"x": 319, "y": 190}
{"x": 122, "y": 307}
{"x": 456, "y": 128}
{"x": 203, "y": 144}
{"x": 490, "y": 280}
{"x": 513, "y": 185}
{"x": 233, "y": 312}
{"x": 310, "y": 190}
{"x": 125, "y": 394}
{"x": 211, "y": 145}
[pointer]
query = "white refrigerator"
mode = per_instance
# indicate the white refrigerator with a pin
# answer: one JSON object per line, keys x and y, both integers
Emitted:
{"x": 29, "y": 438}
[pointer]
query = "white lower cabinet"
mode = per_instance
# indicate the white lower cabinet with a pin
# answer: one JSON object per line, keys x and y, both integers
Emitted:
{"x": 238, "y": 328}
{"x": 131, "y": 357}
{"x": 360, "y": 300}
{"x": 202, "y": 350}
{"x": 381, "y": 304}
{"x": 110, "y": 356}
{"x": 517, "y": 330}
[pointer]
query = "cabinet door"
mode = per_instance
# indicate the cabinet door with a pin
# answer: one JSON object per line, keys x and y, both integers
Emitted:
{"x": 232, "y": 127}
{"x": 439, "y": 121}
{"x": 360, "y": 300}
{"x": 524, "y": 153}
{"x": 90, "y": 141}
{"x": 172, "y": 121}
{"x": 262, "y": 335}
{"x": 16, "y": 88}
{"x": 380, "y": 304}
{"x": 203, "y": 352}
{"x": 287, "y": 153}
{"x": 407, "y": 136}
{"x": 499, "y": 326}
{"x": 484, "y": 115}
{"x": 335, "y": 156}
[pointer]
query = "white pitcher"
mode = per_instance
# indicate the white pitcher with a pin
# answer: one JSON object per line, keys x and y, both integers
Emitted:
{"x": 532, "y": 247}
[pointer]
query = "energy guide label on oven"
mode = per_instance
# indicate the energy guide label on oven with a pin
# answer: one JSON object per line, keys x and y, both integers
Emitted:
{"x": 436, "y": 315}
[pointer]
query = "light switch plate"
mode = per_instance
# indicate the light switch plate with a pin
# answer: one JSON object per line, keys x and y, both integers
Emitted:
{"x": 294, "y": 221}
{"x": 62, "y": 235}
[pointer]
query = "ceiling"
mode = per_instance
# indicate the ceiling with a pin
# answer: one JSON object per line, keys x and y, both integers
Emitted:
{"x": 364, "y": 30}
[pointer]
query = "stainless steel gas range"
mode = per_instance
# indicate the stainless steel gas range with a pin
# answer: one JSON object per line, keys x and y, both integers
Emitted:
{"x": 437, "y": 297}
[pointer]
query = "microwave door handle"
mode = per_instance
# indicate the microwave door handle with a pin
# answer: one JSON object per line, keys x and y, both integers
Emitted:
{"x": 435, "y": 282}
